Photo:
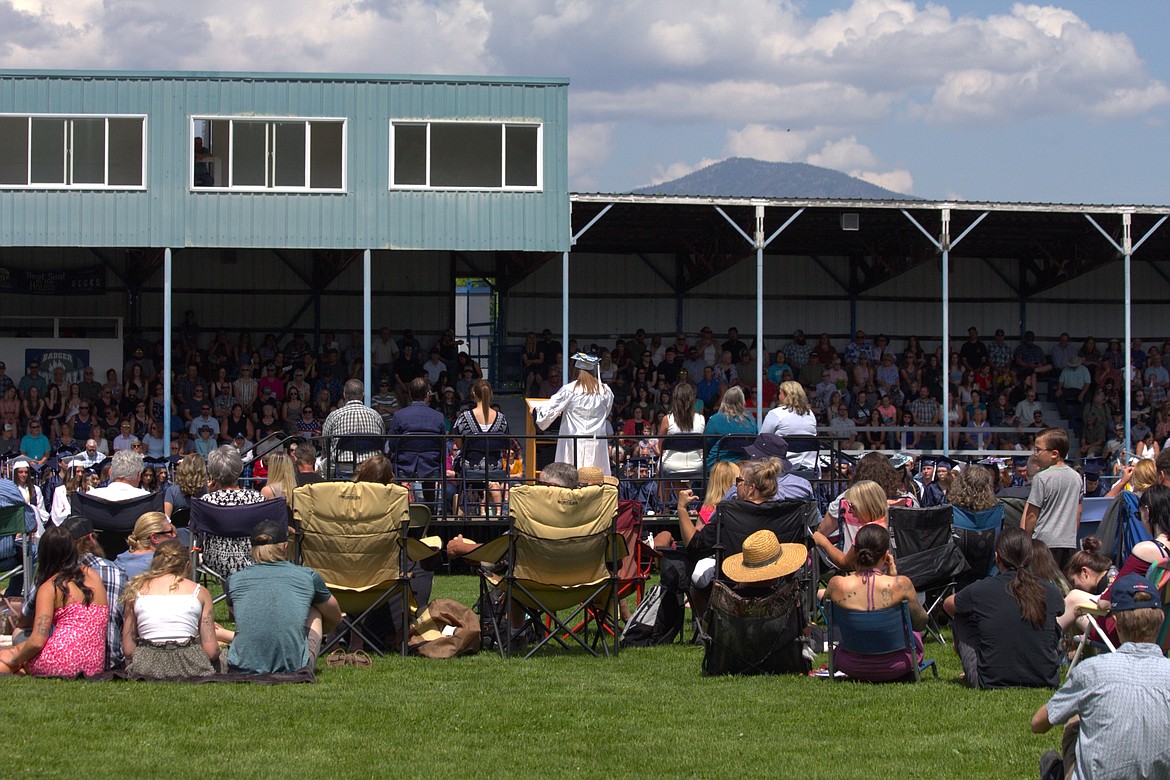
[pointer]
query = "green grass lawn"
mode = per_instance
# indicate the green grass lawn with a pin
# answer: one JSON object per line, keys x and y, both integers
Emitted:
{"x": 648, "y": 713}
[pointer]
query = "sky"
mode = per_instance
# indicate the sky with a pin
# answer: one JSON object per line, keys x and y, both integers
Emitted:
{"x": 957, "y": 99}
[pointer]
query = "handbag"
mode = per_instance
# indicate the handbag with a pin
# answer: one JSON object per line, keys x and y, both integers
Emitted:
{"x": 445, "y": 629}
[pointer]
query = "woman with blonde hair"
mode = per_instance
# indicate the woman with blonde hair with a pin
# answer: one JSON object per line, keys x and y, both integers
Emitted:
{"x": 722, "y": 479}
{"x": 757, "y": 486}
{"x": 151, "y": 530}
{"x": 864, "y": 502}
{"x": 1137, "y": 478}
{"x": 583, "y": 406}
{"x": 282, "y": 477}
{"x": 169, "y": 630}
{"x": 190, "y": 482}
{"x": 731, "y": 418}
{"x": 793, "y": 417}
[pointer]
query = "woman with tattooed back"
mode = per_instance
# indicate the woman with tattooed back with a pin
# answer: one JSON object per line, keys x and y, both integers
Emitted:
{"x": 872, "y": 585}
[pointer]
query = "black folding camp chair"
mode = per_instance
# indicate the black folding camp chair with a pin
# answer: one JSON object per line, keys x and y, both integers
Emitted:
{"x": 925, "y": 551}
{"x": 114, "y": 520}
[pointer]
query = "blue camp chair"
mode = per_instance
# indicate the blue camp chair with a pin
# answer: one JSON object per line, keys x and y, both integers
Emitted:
{"x": 221, "y": 535}
{"x": 976, "y": 534}
{"x": 876, "y": 632}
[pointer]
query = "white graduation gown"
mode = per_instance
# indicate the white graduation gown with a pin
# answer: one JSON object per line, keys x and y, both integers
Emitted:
{"x": 581, "y": 414}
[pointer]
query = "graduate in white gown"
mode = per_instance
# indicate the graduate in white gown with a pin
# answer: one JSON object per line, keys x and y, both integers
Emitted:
{"x": 583, "y": 406}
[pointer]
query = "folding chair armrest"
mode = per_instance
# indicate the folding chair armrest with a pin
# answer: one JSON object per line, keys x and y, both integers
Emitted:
{"x": 420, "y": 549}
{"x": 1090, "y": 608}
{"x": 648, "y": 549}
{"x": 490, "y": 552}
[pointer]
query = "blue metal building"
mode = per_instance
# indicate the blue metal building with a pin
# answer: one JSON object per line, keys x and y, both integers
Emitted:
{"x": 253, "y": 193}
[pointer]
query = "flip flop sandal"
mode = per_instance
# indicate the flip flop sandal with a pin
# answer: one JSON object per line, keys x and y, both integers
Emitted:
{"x": 337, "y": 658}
{"x": 360, "y": 658}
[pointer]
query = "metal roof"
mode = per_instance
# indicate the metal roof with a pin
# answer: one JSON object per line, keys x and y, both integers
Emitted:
{"x": 862, "y": 203}
{"x": 188, "y": 75}
{"x": 1050, "y": 242}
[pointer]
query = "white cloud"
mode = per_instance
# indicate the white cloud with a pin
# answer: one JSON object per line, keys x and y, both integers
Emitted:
{"x": 736, "y": 102}
{"x": 777, "y": 79}
{"x": 590, "y": 146}
{"x": 294, "y": 35}
{"x": 677, "y": 170}
{"x": 899, "y": 180}
{"x": 768, "y": 143}
{"x": 843, "y": 154}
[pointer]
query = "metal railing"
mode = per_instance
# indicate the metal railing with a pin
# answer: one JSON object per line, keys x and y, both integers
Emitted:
{"x": 478, "y": 492}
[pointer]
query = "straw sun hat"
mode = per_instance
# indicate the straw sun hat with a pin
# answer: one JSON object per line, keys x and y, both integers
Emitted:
{"x": 764, "y": 558}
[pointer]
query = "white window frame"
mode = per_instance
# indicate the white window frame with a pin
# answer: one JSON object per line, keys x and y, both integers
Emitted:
{"x": 67, "y": 152}
{"x": 504, "y": 125}
{"x": 228, "y": 164}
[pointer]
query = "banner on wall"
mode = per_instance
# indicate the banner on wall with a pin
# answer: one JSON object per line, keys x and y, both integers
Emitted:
{"x": 78, "y": 281}
{"x": 73, "y": 361}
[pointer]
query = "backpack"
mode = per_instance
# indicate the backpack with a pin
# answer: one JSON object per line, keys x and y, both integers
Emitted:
{"x": 755, "y": 635}
{"x": 657, "y": 620}
{"x": 1121, "y": 528}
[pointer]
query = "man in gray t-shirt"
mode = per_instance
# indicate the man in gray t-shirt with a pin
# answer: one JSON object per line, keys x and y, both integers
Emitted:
{"x": 282, "y": 610}
{"x": 1053, "y": 512}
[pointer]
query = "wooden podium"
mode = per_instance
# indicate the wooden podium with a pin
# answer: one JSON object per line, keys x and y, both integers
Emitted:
{"x": 531, "y": 432}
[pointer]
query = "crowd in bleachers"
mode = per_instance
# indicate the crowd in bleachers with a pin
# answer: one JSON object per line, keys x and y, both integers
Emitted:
{"x": 871, "y": 384}
{"x": 230, "y": 390}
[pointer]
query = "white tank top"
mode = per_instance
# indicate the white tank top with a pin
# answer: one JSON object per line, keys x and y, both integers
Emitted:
{"x": 168, "y": 617}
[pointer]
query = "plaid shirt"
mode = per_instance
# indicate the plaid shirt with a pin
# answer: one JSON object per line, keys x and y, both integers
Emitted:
{"x": 115, "y": 581}
{"x": 1121, "y": 698}
{"x": 797, "y": 354}
{"x": 999, "y": 353}
{"x": 352, "y": 418}
{"x": 925, "y": 410}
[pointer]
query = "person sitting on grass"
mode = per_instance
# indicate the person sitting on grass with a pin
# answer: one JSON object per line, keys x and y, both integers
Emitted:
{"x": 1004, "y": 626}
{"x": 863, "y": 503}
{"x": 1090, "y": 573}
{"x": 281, "y": 609}
{"x": 72, "y": 613}
{"x": 1154, "y": 511}
{"x": 1114, "y": 705}
{"x": 170, "y": 629}
{"x": 872, "y": 584}
{"x": 150, "y": 530}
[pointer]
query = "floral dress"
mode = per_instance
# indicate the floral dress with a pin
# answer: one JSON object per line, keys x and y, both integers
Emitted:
{"x": 78, "y": 643}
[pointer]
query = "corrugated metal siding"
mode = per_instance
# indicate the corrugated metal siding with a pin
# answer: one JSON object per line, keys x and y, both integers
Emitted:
{"x": 612, "y": 296}
{"x": 367, "y": 215}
